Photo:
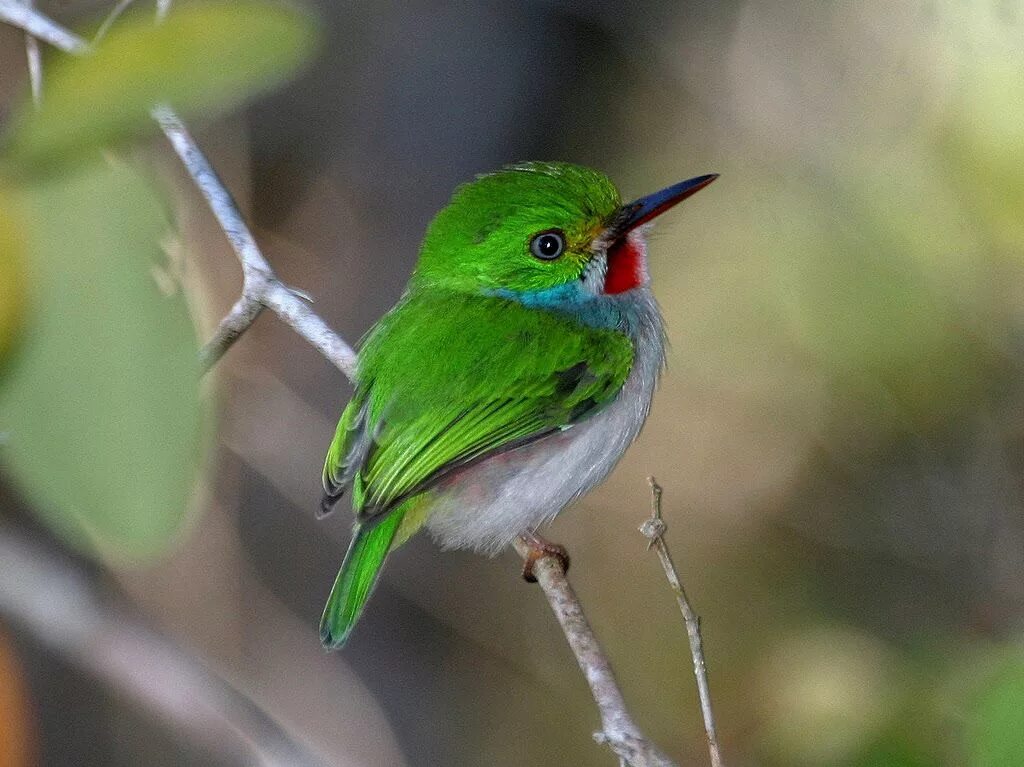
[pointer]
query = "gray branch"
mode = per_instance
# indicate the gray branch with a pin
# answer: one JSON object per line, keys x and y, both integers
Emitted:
{"x": 24, "y": 16}
{"x": 618, "y": 730}
{"x": 261, "y": 288}
{"x": 51, "y": 598}
{"x": 35, "y": 64}
{"x": 654, "y": 530}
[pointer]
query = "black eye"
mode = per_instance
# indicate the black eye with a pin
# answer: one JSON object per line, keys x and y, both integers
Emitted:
{"x": 547, "y": 245}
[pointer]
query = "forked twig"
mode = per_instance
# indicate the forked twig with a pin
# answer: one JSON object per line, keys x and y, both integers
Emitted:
{"x": 654, "y": 530}
{"x": 260, "y": 286}
{"x": 618, "y": 730}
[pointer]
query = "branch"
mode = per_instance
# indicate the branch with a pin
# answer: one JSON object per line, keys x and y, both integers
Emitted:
{"x": 261, "y": 288}
{"x": 618, "y": 730}
{"x": 53, "y": 599}
{"x": 654, "y": 530}
{"x": 23, "y": 16}
{"x": 35, "y": 64}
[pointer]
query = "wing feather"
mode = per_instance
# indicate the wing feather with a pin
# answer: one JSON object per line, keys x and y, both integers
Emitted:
{"x": 442, "y": 386}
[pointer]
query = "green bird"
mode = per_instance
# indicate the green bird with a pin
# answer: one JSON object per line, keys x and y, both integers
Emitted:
{"x": 510, "y": 377}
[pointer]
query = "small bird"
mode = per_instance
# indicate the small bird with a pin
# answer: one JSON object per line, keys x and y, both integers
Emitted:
{"x": 510, "y": 377}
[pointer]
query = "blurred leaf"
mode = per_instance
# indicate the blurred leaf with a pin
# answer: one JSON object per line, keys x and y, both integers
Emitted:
{"x": 101, "y": 406}
{"x": 984, "y": 149}
{"x": 206, "y": 57}
{"x": 895, "y": 750}
{"x": 978, "y": 130}
{"x": 11, "y": 282}
{"x": 995, "y": 724}
{"x": 16, "y": 744}
{"x": 892, "y": 300}
{"x": 840, "y": 692}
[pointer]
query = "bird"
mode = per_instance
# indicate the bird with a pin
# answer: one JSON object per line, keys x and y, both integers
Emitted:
{"x": 507, "y": 381}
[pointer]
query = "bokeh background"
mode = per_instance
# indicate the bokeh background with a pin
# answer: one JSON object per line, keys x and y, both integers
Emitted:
{"x": 839, "y": 432}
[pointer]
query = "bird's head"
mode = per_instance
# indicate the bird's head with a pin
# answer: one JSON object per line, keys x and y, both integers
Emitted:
{"x": 539, "y": 229}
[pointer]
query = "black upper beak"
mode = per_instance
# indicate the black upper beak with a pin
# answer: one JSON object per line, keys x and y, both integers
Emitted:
{"x": 639, "y": 212}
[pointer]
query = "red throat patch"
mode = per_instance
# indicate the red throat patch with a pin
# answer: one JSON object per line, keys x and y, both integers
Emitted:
{"x": 626, "y": 266}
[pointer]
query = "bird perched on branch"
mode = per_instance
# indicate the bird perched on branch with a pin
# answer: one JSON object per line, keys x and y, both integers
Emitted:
{"x": 508, "y": 380}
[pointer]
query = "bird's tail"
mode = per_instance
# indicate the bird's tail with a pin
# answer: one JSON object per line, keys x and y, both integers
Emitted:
{"x": 357, "y": 577}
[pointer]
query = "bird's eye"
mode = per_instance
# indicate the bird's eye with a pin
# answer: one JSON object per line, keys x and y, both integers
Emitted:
{"x": 547, "y": 245}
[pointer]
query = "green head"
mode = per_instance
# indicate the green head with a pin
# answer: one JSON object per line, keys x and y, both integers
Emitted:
{"x": 533, "y": 227}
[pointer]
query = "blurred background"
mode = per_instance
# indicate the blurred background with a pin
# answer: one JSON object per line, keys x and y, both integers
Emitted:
{"x": 840, "y": 433}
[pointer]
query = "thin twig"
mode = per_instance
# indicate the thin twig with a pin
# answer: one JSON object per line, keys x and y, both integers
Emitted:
{"x": 52, "y": 598}
{"x": 260, "y": 286}
{"x": 108, "y": 22}
{"x": 35, "y": 64}
{"x": 618, "y": 730}
{"x": 654, "y": 530}
{"x": 19, "y": 14}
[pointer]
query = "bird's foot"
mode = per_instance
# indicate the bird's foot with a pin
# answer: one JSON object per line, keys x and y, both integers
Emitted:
{"x": 540, "y": 548}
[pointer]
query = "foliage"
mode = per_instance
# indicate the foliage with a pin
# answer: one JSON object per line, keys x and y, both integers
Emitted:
{"x": 104, "y": 428}
{"x": 102, "y": 406}
{"x": 205, "y": 58}
{"x": 995, "y": 721}
{"x": 11, "y": 269}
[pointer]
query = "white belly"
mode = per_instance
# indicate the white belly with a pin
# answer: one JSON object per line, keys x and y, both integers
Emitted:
{"x": 488, "y": 504}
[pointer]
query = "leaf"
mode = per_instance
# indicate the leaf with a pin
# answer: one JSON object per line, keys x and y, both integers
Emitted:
{"x": 204, "y": 58}
{"x": 12, "y": 286}
{"x": 101, "y": 406}
{"x": 995, "y": 724}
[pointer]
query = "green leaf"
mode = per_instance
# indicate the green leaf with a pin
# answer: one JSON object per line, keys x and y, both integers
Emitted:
{"x": 204, "y": 58}
{"x": 898, "y": 748}
{"x": 100, "y": 406}
{"x": 12, "y": 287}
{"x": 995, "y": 724}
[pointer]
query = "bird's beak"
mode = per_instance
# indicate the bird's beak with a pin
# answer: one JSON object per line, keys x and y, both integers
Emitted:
{"x": 639, "y": 212}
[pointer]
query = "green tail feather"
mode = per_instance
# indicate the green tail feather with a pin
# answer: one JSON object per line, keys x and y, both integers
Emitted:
{"x": 356, "y": 579}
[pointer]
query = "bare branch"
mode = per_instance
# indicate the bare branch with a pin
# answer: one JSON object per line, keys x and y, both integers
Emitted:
{"x": 654, "y": 530}
{"x": 23, "y": 16}
{"x": 108, "y": 22}
{"x": 35, "y": 64}
{"x": 51, "y": 598}
{"x": 618, "y": 730}
{"x": 260, "y": 286}
{"x": 237, "y": 321}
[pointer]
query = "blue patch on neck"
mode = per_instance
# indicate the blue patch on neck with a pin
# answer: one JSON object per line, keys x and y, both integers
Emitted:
{"x": 572, "y": 299}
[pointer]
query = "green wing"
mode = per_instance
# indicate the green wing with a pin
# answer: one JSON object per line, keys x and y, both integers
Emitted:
{"x": 446, "y": 380}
